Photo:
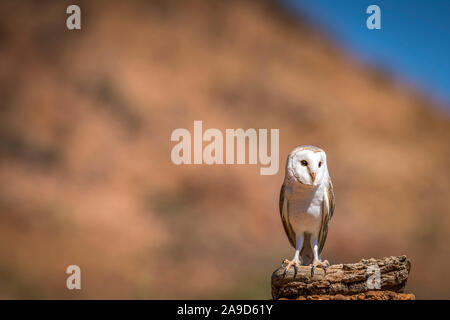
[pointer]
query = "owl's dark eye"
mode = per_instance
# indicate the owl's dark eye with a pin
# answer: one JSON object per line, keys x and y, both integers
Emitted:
{"x": 320, "y": 164}
{"x": 304, "y": 163}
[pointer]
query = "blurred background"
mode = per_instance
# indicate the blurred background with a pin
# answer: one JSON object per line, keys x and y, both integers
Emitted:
{"x": 86, "y": 118}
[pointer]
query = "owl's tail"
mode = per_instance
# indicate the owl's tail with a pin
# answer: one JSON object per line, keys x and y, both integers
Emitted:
{"x": 306, "y": 253}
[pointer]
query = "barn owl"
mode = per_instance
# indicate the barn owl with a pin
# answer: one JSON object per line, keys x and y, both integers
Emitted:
{"x": 306, "y": 206}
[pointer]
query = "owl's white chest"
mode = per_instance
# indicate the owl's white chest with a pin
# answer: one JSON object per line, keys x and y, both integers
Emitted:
{"x": 305, "y": 210}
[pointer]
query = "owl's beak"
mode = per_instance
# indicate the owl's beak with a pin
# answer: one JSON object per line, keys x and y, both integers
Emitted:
{"x": 313, "y": 176}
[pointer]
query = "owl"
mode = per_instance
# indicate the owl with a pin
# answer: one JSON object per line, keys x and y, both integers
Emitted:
{"x": 306, "y": 206}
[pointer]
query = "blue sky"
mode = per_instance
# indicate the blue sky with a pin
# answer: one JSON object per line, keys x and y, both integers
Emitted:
{"x": 413, "y": 43}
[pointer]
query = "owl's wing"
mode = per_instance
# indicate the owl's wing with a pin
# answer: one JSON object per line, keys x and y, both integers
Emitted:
{"x": 284, "y": 213}
{"x": 327, "y": 212}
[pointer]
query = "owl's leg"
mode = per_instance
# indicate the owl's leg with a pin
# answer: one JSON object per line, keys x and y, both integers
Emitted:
{"x": 317, "y": 261}
{"x": 296, "y": 262}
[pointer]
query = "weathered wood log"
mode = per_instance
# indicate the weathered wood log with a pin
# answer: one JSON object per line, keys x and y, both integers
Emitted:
{"x": 344, "y": 280}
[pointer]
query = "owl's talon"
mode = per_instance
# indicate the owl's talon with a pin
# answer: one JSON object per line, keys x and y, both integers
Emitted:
{"x": 325, "y": 266}
{"x": 293, "y": 263}
{"x": 317, "y": 263}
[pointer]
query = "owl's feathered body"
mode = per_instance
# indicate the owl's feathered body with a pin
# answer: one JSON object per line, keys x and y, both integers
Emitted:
{"x": 306, "y": 203}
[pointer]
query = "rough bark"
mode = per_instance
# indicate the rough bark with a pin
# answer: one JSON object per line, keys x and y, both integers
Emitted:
{"x": 346, "y": 281}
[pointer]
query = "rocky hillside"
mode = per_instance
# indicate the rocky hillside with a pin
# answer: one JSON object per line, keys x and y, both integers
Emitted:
{"x": 86, "y": 178}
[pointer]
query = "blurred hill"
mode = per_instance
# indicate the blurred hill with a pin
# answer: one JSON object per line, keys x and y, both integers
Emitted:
{"x": 86, "y": 177}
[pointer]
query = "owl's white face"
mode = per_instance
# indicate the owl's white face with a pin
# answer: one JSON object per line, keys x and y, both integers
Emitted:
{"x": 308, "y": 166}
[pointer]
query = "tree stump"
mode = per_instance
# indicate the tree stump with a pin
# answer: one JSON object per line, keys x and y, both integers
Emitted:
{"x": 368, "y": 279}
